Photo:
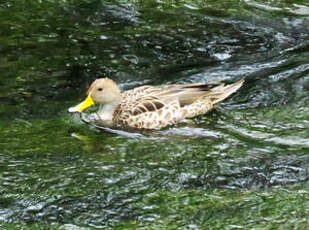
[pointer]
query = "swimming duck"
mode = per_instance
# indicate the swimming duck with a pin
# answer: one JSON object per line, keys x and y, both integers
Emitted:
{"x": 153, "y": 107}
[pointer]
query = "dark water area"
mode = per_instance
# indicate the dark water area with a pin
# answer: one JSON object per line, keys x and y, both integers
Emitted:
{"x": 244, "y": 165}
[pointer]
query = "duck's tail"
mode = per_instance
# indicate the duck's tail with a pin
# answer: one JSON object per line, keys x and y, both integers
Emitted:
{"x": 223, "y": 91}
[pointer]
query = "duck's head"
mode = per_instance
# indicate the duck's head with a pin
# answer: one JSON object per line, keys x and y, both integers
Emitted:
{"x": 103, "y": 91}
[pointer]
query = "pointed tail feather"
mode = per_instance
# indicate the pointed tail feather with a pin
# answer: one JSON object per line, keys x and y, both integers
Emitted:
{"x": 221, "y": 92}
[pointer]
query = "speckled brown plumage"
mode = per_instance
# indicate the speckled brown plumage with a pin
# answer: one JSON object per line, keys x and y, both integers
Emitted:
{"x": 154, "y": 107}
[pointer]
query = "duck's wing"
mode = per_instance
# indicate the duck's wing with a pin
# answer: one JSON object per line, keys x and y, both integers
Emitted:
{"x": 153, "y": 98}
{"x": 166, "y": 92}
{"x": 164, "y": 105}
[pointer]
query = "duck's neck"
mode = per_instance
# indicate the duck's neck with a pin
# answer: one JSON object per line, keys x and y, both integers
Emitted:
{"x": 106, "y": 111}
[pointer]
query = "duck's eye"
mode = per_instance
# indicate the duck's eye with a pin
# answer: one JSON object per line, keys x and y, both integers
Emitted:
{"x": 100, "y": 89}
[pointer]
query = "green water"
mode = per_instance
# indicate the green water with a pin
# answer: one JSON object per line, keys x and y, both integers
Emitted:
{"x": 245, "y": 165}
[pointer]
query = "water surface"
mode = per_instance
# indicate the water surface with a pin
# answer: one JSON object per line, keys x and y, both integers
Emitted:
{"x": 242, "y": 166}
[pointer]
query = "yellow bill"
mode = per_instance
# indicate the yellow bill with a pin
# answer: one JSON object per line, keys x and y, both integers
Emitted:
{"x": 82, "y": 106}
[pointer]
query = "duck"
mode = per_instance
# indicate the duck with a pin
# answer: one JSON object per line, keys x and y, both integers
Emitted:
{"x": 153, "y": 107}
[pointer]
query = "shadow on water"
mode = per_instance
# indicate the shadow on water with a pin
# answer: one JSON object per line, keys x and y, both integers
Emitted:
{"x": 243, "y": 165}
